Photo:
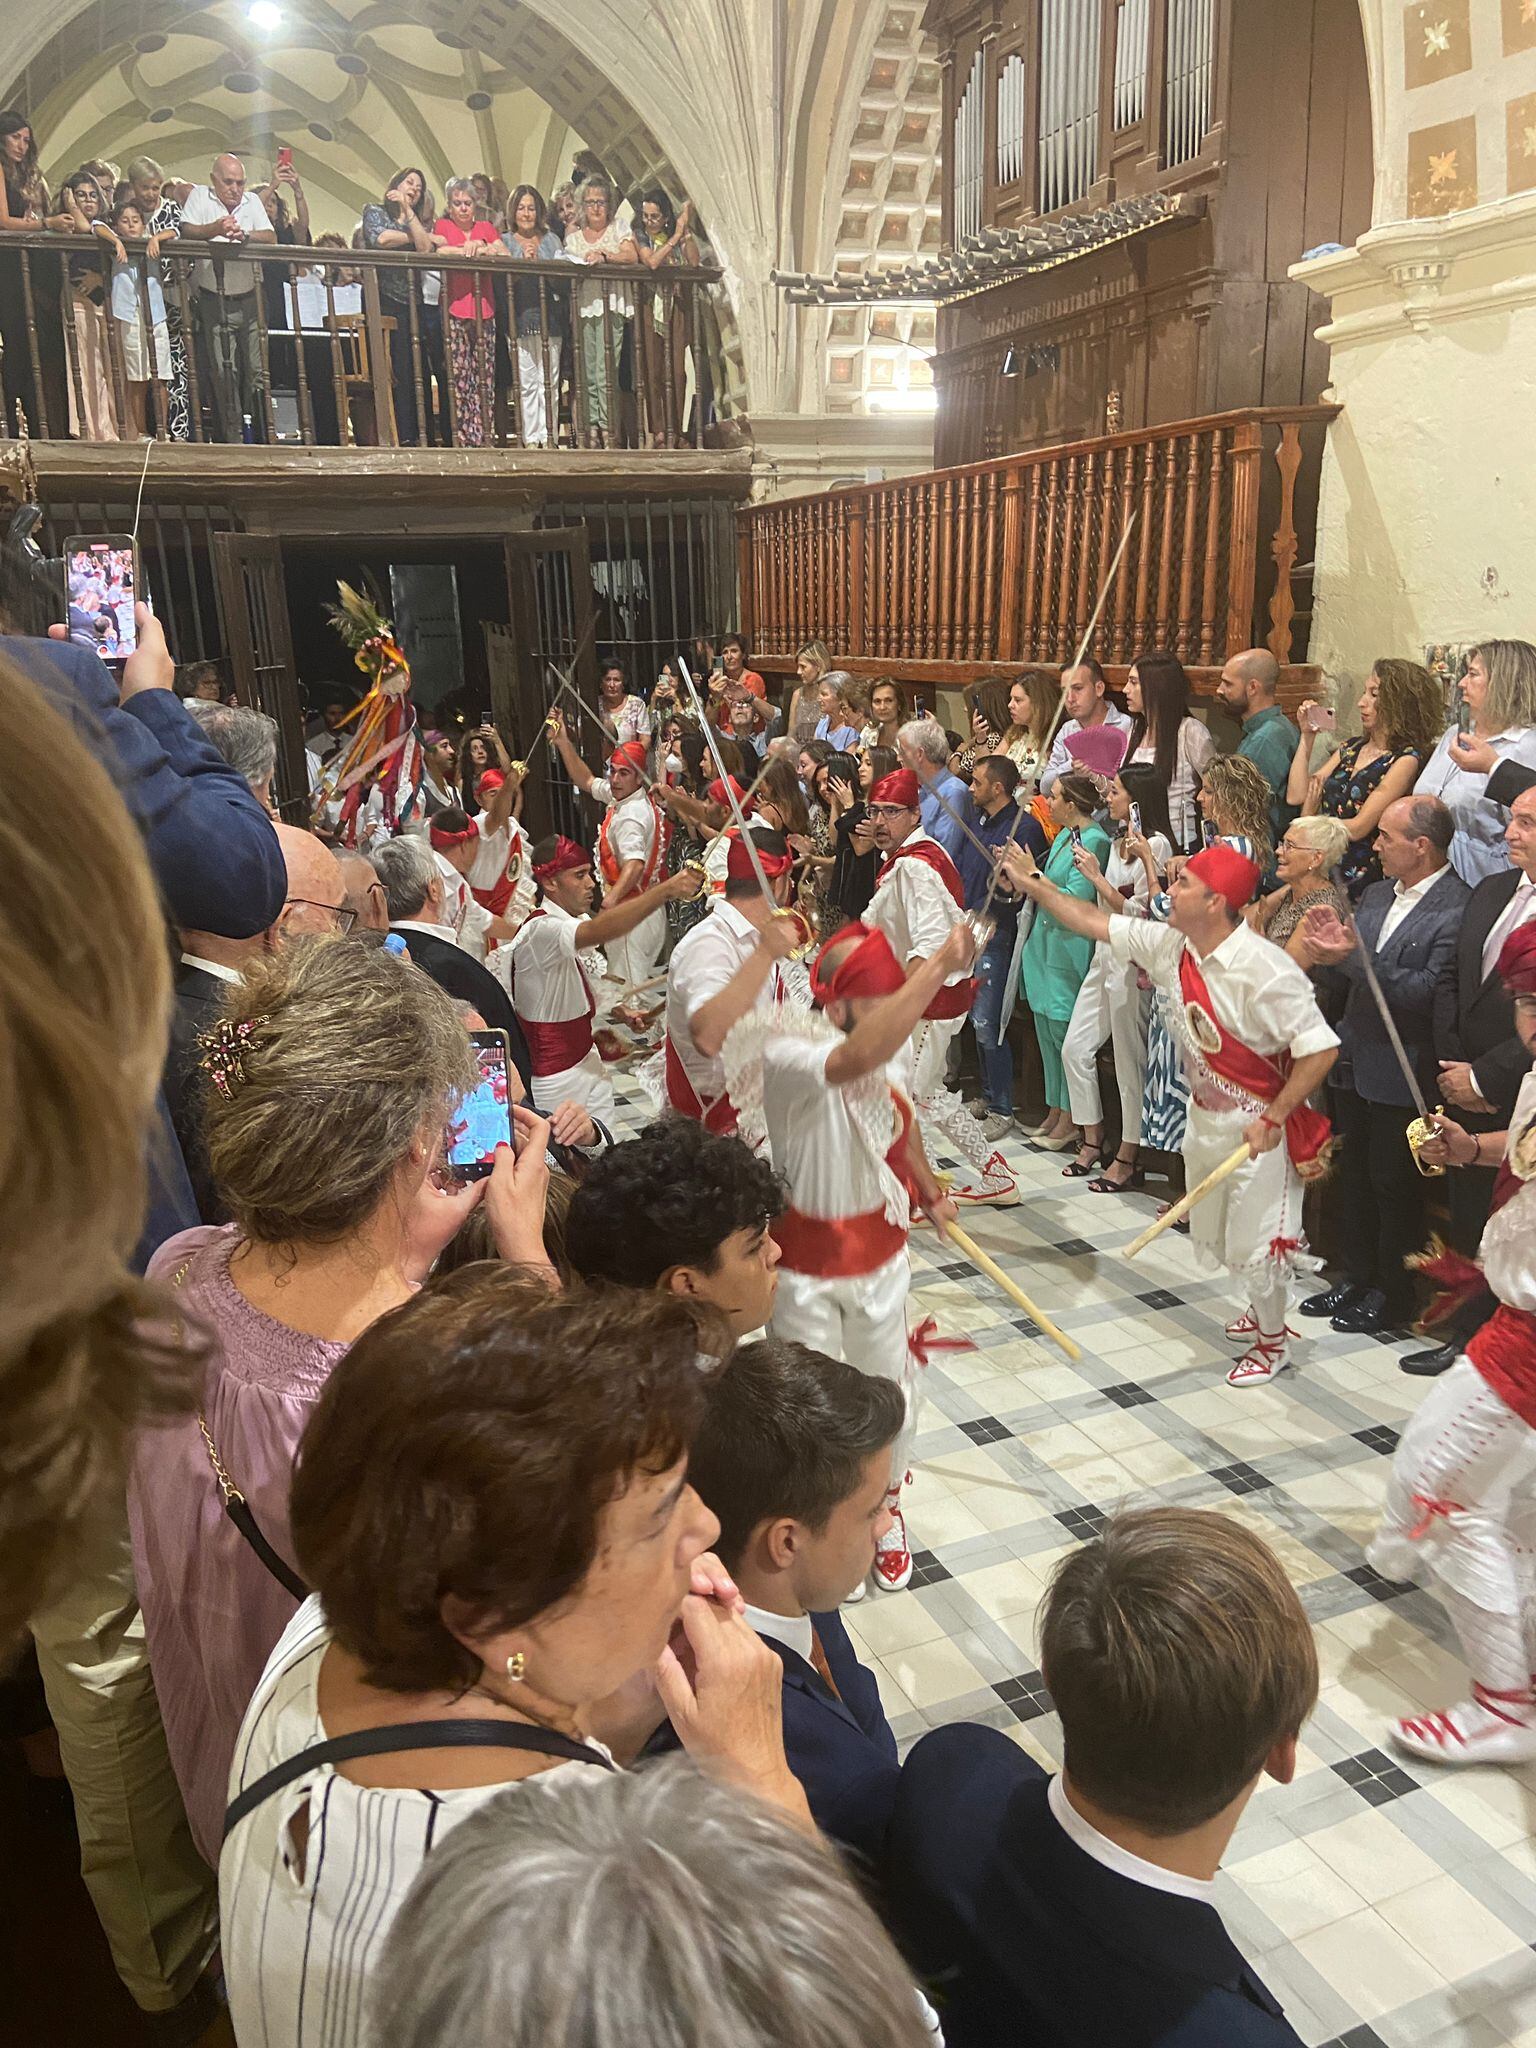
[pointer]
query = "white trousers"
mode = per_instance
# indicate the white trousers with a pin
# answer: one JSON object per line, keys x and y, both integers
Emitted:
{"x": 1251, "y": 1224}
{"x": 587, "y": 1083}
{"x": 862, "y": 1320}
{"x": 1109, "y": 1005}
{"x": 633, "y": 958}
{"x": 533, "y": 394}
{"x": 942, "y": 1117}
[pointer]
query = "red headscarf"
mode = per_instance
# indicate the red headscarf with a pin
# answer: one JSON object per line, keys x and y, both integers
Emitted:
{"x": 1230, "y": 873}
{"x": 738, "y": 862}
{"x": 630, "y": 755}
{"x": 489, "y": 783}
{"x": 899, "y": 787}
{"x": 567, "y": 857}
{"x": 1517, "y": 961}
{"x": 867, "y": 967}
{"x": 718, "y": 794}
{"x": 442, "y": 840}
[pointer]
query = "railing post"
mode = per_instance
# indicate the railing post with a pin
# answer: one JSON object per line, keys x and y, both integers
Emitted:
{"x": 1242, "y": 529}
{"x": 1282, "y": 606}
{"x": 378, "y": 350}
{"x": 1008, "y": 601}
{"x": 746, "y": 593}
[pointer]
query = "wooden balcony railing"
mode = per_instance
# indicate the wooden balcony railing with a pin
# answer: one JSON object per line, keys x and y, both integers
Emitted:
{"x": 948, "y": 575}
{"x": 321, "y": 347}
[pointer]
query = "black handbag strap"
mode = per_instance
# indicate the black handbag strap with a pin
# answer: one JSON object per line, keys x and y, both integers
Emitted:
{"x": 406, "y": 1735}
{"x": 239, "y": 1512}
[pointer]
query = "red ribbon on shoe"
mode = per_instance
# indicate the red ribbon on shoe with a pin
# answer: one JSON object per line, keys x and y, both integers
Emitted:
{"x": 923, "y": 1341}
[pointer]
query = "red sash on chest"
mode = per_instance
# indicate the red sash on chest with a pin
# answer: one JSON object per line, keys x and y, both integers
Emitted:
{"x": 845, "y": 1247}
{"x": 1308, "y": 1132}
{"x": 609, "y": 864}
{"x": 955, "y": 998}
{"x": 720, "y": 1117}
{"x": 552, "y": 1047}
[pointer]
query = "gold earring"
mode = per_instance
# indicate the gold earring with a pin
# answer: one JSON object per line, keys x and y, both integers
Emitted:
{"x": 517, "y": 1664}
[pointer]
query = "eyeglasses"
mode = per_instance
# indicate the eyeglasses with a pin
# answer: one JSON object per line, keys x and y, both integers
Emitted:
{"x": 340, "y": 920}
{"x": 888, "y": 810}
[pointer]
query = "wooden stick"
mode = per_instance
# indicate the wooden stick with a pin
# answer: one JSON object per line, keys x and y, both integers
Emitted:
{"x": 995, "y": 1273}
{"x": 640, "y": 988}
{"x": 1182, "y": 1207}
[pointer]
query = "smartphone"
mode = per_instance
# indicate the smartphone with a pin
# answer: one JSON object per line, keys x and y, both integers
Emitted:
{"x": 101, "y": 580}
{"x": 1136, "y": 832}
{"x": 1324, "y": 718}
{"x": 484, "y": 1118}
{"x": 1463, "y": 715}
{"x": 285, "y": 158}
{"x": 1077, "y": 835}
{"x": 1208, "y": 832}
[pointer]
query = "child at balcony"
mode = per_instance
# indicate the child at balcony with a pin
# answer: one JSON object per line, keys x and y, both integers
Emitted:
{"x": 138, "y": 307}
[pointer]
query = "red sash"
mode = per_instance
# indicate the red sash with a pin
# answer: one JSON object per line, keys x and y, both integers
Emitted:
{"x": 720, "y": 1117}
{"x": 1504, "y": 1352}
{"x": 554, "y": 1047}
{"x": 836, "y": 1248}
{"x": 495, "y": 900}
{"x": 609, "y": 864}
{"x": 956, "y": 998}
{"x": 1308, "y": 1133}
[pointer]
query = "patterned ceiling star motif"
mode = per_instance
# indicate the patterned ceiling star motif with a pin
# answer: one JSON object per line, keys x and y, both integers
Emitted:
{"x": 1442, "y": 169}
{"x": 1437, "y": 35}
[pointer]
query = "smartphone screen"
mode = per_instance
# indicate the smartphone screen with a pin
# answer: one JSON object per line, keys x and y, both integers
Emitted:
{"x": 102, "y": 581}
{"x": 1324, "y": 718}
{"x": 285, "y": 158}
{"x": 484, "y": 1118}
{"x": 1077, "y": 837}
{"x": 1208, "y": 832}
{"x": 1463, "y": 715}
{"x": 1136, "y": 820}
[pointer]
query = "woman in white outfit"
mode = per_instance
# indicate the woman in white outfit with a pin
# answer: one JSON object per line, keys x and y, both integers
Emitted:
{"x": 1111, "y": 1002}
{"x": 540, "y": 312}
{"x": 1499, "y": 692}
{"x": 492, "y": 1506}
{"x": 1166, "y": 734}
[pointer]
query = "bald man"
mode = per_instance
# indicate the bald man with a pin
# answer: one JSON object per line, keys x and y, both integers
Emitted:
{"x": 222, "y": 212}
{"x": 1247, "y": 688}
{"x": 315, "y": 902}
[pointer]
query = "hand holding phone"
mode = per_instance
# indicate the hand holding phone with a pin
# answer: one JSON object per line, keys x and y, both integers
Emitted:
{"x": 101, "y": 576}
{"x": 285, "y": 158}
{"x": 483, "y": 1119}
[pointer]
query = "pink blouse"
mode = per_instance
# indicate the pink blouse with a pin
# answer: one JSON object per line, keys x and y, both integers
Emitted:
{"x": 212, "y": 1610}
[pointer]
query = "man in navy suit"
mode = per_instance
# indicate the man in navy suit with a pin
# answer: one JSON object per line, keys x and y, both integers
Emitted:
{"x": 794, "y": 1457}
{"x": 1075, "y": 1911}
{"x": 1408, "y": 924}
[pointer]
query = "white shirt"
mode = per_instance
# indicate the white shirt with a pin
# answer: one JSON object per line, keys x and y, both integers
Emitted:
{"x": 1509, "y": 1237}
{"x": 1195, "y": 750}
{"x": 704, "y": 959}
{"x": 832, "y": 1172}
{"x": 913, "y": 908}
{"x": 1061, "y": 760}
{"x": 1404, "y": 903}
{"x": 549, "y": 985}
{"x": 469, "y": 924}
{"x": 628, "y": 720}
{"x": 1258, "y": 992}
{"x": 1477, "y": 850}
{"x": 794, "y": 1631}
{"x": 214, "y": 967}
{"x": 1518, "y": 911}
{"x": 299, "y": 1955}
{"x": 1120, "y": 1860}
{"x": 632, "y": 826}
{"x": 201, "y": 207}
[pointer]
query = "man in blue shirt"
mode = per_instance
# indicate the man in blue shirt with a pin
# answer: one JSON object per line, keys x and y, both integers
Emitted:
{"x": 923, "y": 746}
{"x": 991, "y": 811}
{"x": 1247, "y": 688}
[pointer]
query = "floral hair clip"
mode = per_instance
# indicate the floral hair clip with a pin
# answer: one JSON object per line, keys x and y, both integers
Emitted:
{"x": 223, "y": 1053}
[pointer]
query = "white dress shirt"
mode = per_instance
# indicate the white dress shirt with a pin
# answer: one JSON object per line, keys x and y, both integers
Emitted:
{"x": 551, "y": 987}
{"x": 912, "y": 906}
{"x": 1404, "y": 903}
{"x": 632, "y": 827}
{"x": 704, "y": 959}
{"x": 214, "y": 967}
{"x": 1258, "y": 992}
{"x": 1120, "y": 1860}
{"x": 1518, "y": 911}
{"x": 199, "y": 209}
{"x": 792, "y": 1630}
{"x": 1477, "y": 850}
{"x": 832, "y": 1171}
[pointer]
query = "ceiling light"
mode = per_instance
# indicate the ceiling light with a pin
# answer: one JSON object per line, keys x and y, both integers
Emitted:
{"x": 265, "y": 15}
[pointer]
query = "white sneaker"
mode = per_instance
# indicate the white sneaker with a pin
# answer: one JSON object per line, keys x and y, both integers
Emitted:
{"x": 1489, "y": 1728}
{"x": 852, "y": 1599}
{"x": 998, "y": 1190}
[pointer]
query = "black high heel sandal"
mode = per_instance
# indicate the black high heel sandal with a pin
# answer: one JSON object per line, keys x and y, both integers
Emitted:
{"x": 1136, "y": 1178}
{"x": 1077, "y": 1168}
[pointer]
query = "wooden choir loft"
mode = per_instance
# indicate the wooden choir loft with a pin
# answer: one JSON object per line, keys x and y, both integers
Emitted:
{"x": 1126, "y": 185}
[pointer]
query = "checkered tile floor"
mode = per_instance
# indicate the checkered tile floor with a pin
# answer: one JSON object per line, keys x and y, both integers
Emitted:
{"x": 1386, "y": 1907}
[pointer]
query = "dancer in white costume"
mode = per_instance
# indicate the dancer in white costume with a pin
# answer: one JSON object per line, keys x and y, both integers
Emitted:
{"x": 631, "y": 846}
{"x": 1461, "y": 1501}
{"x": 919, "y": 899}
{"x": 825, "y": 1093}
{"x": 551, "y": 983}
{"x": 1255, "y": 1047}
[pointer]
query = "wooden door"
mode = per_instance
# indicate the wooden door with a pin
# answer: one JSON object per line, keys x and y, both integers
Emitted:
{"x": 253, "y": 603}
{"x": 549, "y": 590}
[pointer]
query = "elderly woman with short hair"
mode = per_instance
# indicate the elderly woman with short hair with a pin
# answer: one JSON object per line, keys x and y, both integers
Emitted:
{"x": 1304, "y": 861}
{"x": 329, "y": 1083}
{"x": 492, "y": 1506}
{"x": 602, "y": 311}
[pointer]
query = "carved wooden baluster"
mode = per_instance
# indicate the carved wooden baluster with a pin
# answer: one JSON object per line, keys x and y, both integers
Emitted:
{"x": 983, "y": 611}
{"x": 1186, "y": 642}
{"x": 1086, "y": 591}
{"x": 1045, "y": 632}
{"x": 1212, "y": 545}
{"x": 1124, "y": 644}
{"x": 1063, "y": 622}
{"x": 901, "y": 595}
{"x": 1146, "y": 624}
{"x": 1243, "y": 533}
{"x": 1282, "y": 606}
{"x": 946, "y": 515}
{"x": 1009, "y": 598}
{"x": 1028, "y": 643}
{"x": 1165, "y": 619}
{"x": 928, "y": 572}
{"x": 857, "y": 638}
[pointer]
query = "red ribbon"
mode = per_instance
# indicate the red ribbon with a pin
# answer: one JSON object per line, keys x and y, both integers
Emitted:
{"x": 925, "y": 1340}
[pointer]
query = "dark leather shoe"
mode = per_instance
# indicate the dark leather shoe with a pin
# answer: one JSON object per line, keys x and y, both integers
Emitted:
{"x": 1426, "y": 1364}
{"x": 1336, "y": 1299}
{"x": 1365, "y": 1316}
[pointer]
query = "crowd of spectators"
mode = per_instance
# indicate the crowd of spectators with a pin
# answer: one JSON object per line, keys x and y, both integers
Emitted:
{"x": 132, "y": 332}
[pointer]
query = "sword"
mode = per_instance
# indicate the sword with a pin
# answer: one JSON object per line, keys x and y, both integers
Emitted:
{"x": 775, "y": 907}
{"x": 1425, "y": 1125}
{"x": 1061, "y": 704}
{"x": 520, "y": 768}
{"x": 569, "y": 689}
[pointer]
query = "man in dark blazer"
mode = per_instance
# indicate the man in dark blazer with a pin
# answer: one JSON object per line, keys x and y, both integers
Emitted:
{"x": 1408, "y": 925}
{"x": 794, "y": 1457}
{"x": 414, "y": 890}
{"x": 1482, "y": 1061}
{"x": 1078, "y": 1911}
